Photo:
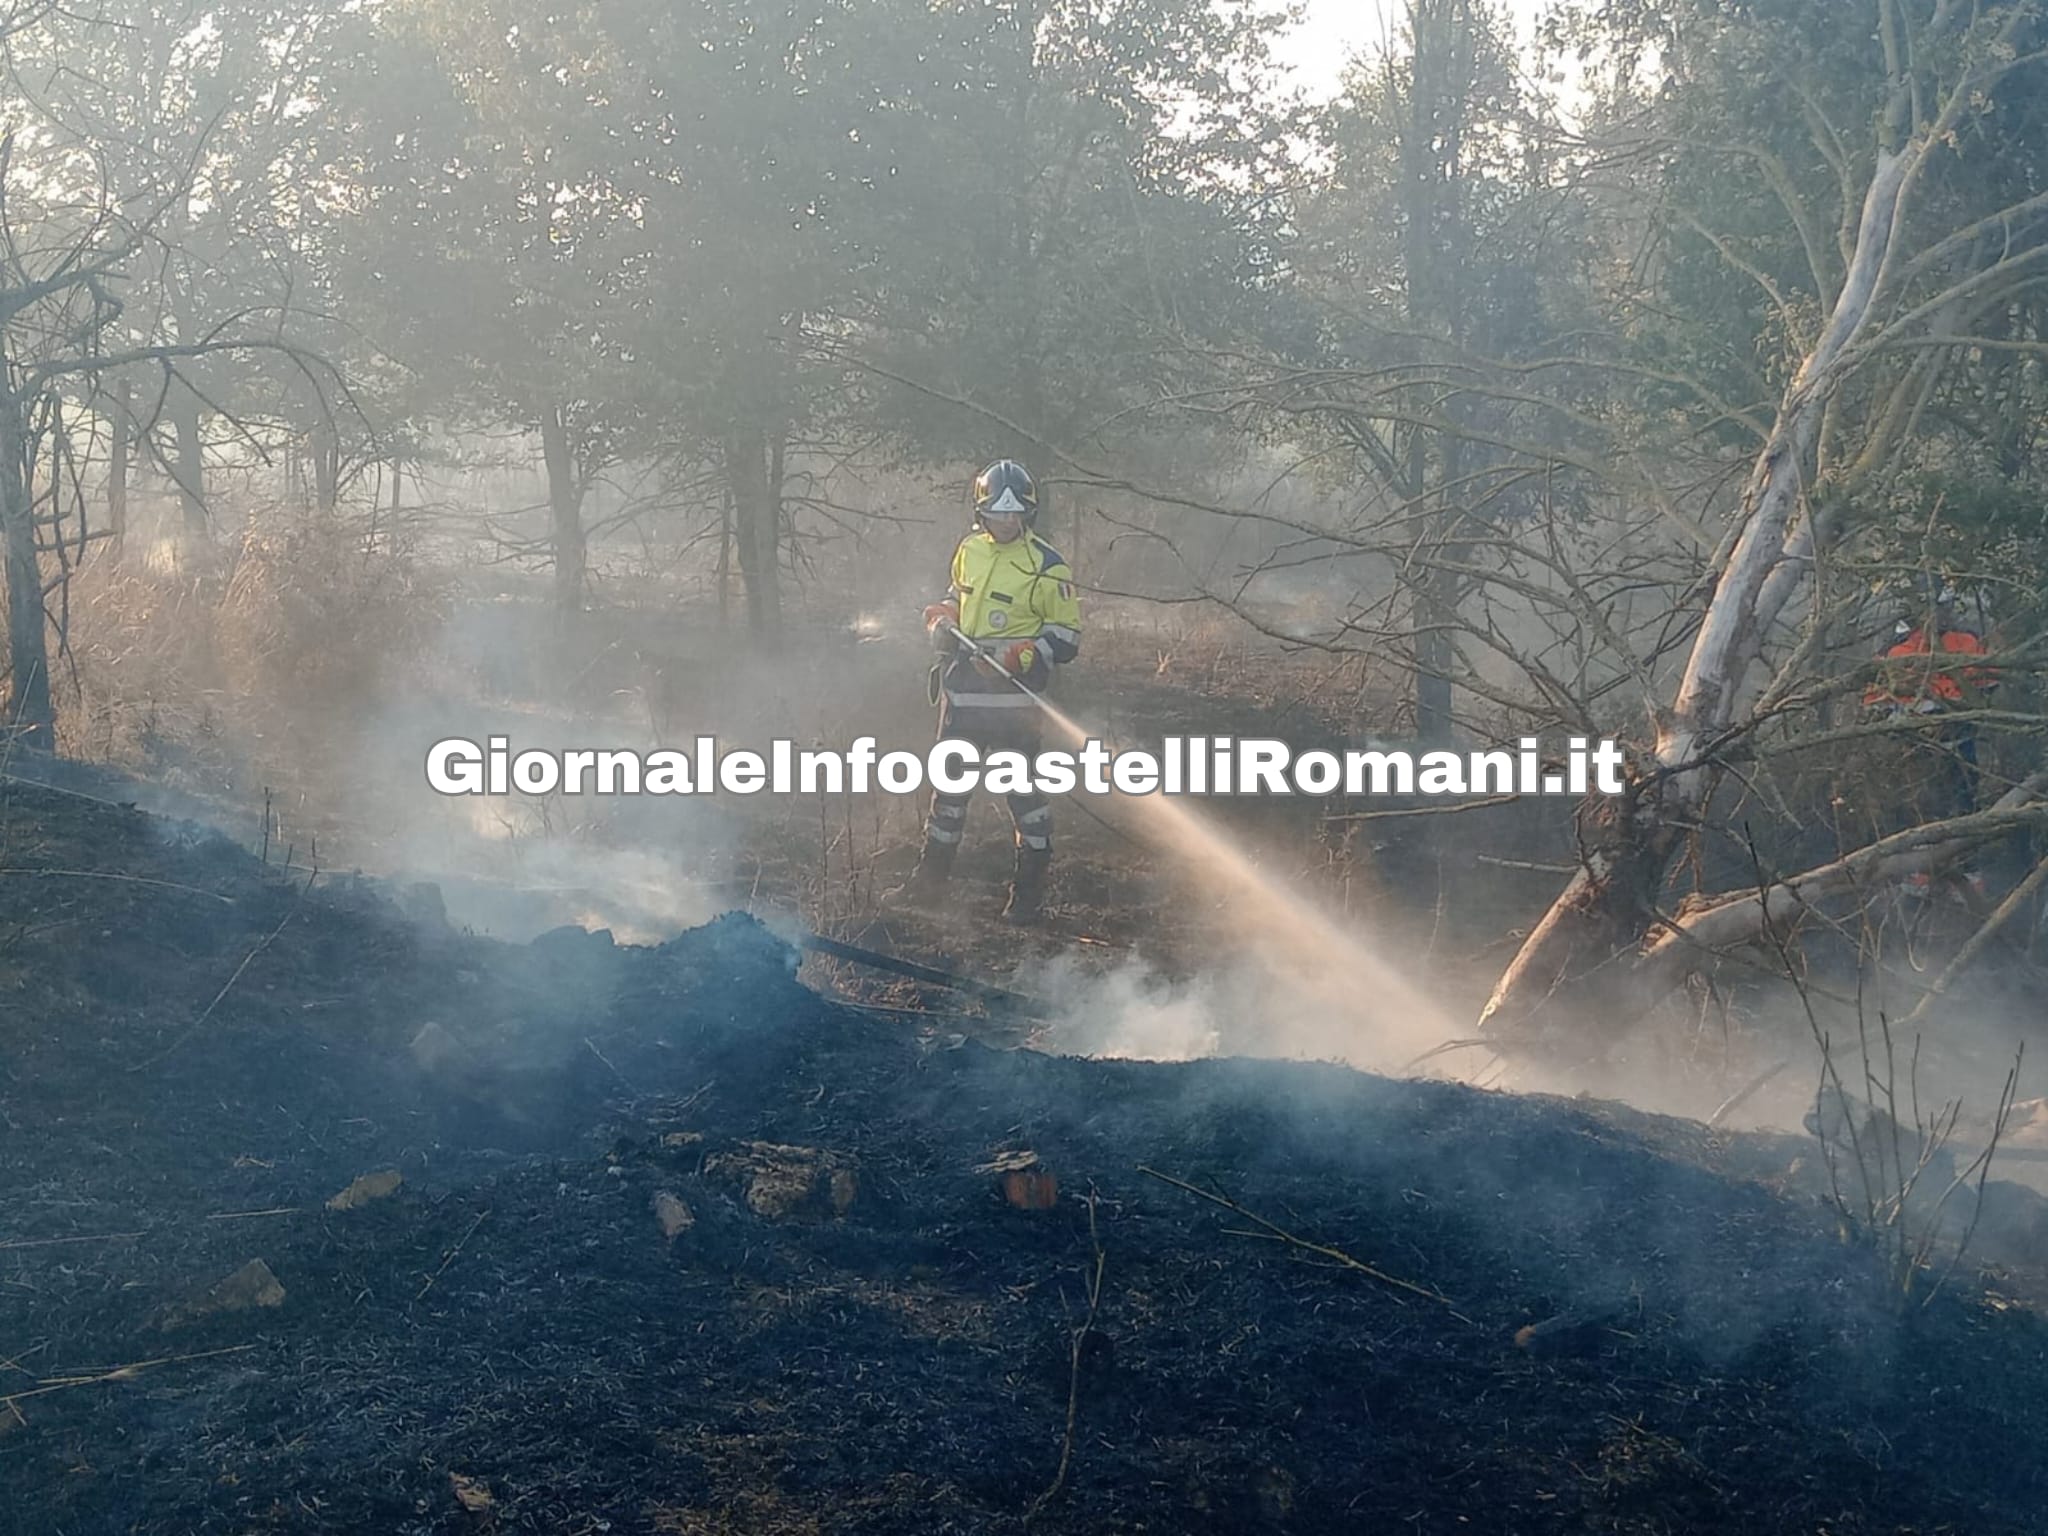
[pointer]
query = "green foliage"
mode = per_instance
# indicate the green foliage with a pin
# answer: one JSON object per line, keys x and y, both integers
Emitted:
{"x": 676, "y": 224}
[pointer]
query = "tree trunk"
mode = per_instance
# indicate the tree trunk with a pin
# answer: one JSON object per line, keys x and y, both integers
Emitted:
{"x": 1433, "y": 659}
{"x": 1564, "y": 980}
{"x": 123, "y": 412}
{"x": 30, "y": 713}
{"x": 1607, "y": 907}
{"x": 326, "y": 449}
{"x": 1436, "y": 606}
{"x": 1437, "y": 109}
{"x": 778, "y": 513}
{"x": 757, "y": 516}
{"x": 188, "y": 466}
{"x": 724, "y": 552}
{"x": 565, "y": 508}
{"x": 1739, "y": 918}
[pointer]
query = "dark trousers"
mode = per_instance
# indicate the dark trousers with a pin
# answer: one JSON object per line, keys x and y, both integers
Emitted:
{"x": 1958, "y": 746}
{"x": 992, "y": 730}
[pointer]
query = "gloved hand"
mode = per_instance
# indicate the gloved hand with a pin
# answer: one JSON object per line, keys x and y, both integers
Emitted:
{"x": 940, "y": 620}
{"x": 1017, "y": 657}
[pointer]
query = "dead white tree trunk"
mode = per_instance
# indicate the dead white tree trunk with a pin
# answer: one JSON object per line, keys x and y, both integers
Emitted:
{"x": 1720, "y": 923}
{"x": 1610, "y": 904}
{"x": 1630, "y": 844}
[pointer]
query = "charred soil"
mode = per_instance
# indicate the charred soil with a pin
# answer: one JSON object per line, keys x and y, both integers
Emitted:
{"x": 677, "y": 1245}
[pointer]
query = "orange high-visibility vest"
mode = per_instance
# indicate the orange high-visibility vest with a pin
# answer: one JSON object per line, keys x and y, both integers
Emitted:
{"x": 1905, "y": 683}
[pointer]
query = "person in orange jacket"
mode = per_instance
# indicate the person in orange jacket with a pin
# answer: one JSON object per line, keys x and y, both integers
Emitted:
{"x": 1922, "y": 672}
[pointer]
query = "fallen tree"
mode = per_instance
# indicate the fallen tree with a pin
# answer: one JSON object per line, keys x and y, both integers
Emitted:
{"x": 1711, "y": 925}
{"x": 1778, "y": 539}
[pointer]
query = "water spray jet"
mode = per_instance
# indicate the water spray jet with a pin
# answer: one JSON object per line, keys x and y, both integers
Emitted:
{"x": 1336, "y": 969}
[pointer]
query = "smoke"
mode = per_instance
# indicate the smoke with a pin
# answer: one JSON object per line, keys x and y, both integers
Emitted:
{"x": 1136, "y": 1012}
{"x": 1324, "y": 987}
{"x": 645, "y": 867}
{"x": 1309, "y": 998}
{"x": 1246, "y": 1006}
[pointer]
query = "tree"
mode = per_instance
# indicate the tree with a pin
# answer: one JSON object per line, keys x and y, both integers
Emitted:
{"x": 1104, "y": 194}
{"x": 1930, "y": 243}
{"x": 1549, "y": 371}
{"x": 477, "y": 250}
{"x": 1422, "y": 277}
{"x": 1434, "y": 259}
{"x": 203, "y": 113}
{"x": 97, "y": 200}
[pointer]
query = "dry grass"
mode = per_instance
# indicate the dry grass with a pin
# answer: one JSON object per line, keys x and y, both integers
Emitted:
{"x": 171, "y": 661}
{"x": 142, "y": 673}
{"x": 311, "y": 607}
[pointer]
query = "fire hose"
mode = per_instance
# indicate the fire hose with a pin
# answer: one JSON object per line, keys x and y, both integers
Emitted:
{"x": 982, "y": 653}
{"x": 1000, "y": 998}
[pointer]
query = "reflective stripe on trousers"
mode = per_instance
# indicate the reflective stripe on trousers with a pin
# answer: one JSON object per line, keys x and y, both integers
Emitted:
{"x": 1034, "y": 826}
{"x": 992, "y": 731}
{"x": 1031, "y": 814}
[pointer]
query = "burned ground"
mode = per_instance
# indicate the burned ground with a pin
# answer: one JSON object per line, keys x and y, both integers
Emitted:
{"x": 835, "y": 1322}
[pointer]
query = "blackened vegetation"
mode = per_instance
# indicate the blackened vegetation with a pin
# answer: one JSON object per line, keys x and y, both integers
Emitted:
{"x": 523, "y": 1337}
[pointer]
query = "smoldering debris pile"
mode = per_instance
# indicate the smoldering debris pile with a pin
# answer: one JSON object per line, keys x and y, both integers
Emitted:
{"x": 316, "y": 1218}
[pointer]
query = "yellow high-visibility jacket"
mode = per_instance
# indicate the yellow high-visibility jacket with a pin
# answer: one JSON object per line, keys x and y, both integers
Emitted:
{"x": 1021, "y": 590}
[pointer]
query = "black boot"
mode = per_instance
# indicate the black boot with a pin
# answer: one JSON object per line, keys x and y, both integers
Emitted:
{"x": 1027, "y": 885}
{"x": 928, "y": 880}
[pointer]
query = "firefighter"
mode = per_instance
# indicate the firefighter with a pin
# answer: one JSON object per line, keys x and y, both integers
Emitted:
{"x": 1013, "y": 595}
{"x": 1921, "y": 673}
